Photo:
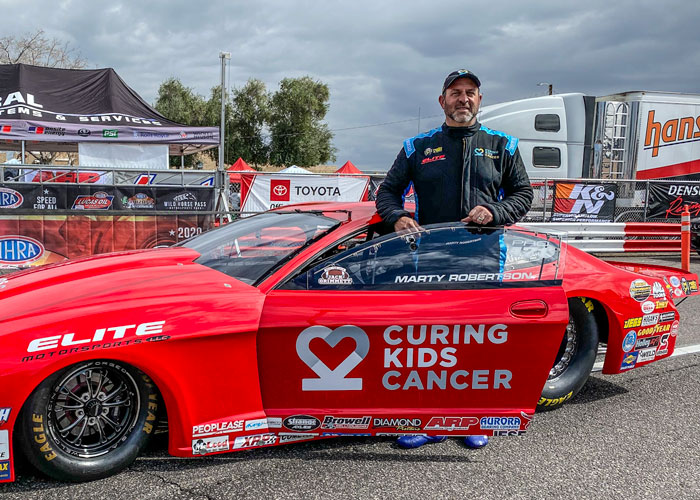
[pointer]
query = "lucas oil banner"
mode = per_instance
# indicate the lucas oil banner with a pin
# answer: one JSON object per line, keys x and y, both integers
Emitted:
{"x": 272, "y": 191}
{"x": 584, "y": 202}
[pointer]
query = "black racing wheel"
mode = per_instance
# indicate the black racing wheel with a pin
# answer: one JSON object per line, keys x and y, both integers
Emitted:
{"x": 88, "y": 421}
{"x": 575, "y": 358}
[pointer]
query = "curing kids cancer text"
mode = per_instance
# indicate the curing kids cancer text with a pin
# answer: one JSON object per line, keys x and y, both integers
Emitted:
{"x": 407, "y": 347}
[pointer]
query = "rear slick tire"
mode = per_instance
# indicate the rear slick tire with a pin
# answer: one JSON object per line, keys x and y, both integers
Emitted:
{"x": 575, "y": 358}
{"x": 88, "y": 421}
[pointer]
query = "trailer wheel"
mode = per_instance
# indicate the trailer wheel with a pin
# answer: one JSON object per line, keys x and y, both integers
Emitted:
{"x": 575, "y": 358}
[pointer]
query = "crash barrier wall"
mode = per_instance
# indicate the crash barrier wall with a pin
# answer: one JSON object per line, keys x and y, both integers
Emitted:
{"x": 616, "y": 237}
{"x": 50, "y": 213}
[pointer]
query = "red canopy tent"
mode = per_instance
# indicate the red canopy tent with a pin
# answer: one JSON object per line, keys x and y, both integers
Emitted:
{"x": 348, "y": 168}
{"x": 238, "y": 166}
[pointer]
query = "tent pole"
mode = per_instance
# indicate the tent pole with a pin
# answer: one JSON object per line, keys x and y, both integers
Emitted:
{"x": 23, "y": 159}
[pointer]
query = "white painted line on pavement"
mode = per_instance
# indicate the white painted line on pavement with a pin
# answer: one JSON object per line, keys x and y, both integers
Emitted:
{"x": 678, "y": 351}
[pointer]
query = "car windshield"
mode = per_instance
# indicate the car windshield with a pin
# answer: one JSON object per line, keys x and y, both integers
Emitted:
{"x": 250, "y": 248}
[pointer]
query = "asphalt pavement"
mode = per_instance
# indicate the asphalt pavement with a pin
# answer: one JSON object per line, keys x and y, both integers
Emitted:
{"x": 629, "y": 436}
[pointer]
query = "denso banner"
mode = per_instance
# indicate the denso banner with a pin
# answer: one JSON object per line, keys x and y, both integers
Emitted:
{"x": 669, "y": 140}
{"x": 584, "y": 202}
{"x": 667, "y": 199}
{"x": 272, "y": 191}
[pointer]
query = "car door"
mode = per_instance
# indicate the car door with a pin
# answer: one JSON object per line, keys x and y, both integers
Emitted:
{"x": 428, "y": 332}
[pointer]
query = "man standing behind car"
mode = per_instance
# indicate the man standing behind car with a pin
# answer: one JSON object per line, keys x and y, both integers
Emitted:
{"x": 461, "y": 171}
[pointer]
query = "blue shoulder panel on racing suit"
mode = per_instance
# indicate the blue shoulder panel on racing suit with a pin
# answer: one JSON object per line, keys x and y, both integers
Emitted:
{"x": 408, "y": 146}
{"x": 512, "y": 141}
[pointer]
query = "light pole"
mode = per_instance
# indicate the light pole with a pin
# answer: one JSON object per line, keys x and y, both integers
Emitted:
{"x": 542, "y": 84}
{"x": 224, "y": 56}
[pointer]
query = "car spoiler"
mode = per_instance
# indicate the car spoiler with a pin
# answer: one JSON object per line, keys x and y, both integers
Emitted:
{"x": 679, "y": 283}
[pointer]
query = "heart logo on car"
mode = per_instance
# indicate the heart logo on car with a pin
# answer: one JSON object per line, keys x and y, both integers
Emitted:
{"x": 332, "y": 380}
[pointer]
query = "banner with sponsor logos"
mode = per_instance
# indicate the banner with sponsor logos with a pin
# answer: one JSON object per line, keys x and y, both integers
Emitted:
{"x": 33, "y": 240}
{"x": 264, "y": 192}
{"x": 667, "y": 199}
{"x": 50, "y": 197}
{"x": 71, "y": 106}
{"x": 584, "y": 202}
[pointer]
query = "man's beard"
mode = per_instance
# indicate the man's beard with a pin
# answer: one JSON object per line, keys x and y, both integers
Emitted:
{"x": 462, "y": 117}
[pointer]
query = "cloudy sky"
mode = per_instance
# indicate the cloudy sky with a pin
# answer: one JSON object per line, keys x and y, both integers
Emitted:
{"x": 383, "y": 60}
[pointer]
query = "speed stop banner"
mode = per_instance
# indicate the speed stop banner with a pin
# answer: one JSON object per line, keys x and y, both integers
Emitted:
{"x": 272, "y": 191}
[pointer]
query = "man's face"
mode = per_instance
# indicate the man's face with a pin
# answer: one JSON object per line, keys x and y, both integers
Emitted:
{"x": 461, "y": 102}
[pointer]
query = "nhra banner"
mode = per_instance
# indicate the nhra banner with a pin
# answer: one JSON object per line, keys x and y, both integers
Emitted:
{"x": 271, "y": 191}
{"x": 584, "y": 202}
{"x": 49, "y": 197}
{"x": 666, "y": 200}
{"x": 34, "y": 240}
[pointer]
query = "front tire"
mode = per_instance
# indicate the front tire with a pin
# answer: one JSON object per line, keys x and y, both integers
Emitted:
{"x": 88, "y": 421}
{"x": 575, "y": 358}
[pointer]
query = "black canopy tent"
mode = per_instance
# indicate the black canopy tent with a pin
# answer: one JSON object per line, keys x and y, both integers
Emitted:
{"x": 53, "y": 110}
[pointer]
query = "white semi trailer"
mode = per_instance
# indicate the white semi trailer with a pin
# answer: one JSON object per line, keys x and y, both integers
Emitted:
{"x": 628, "y": 136}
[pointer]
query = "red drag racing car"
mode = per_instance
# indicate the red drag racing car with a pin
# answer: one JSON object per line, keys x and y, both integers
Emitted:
{"x": 310, "y": 322}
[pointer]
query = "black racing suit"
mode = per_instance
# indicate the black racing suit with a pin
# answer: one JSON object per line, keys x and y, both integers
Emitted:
{"x": 454, "y": 169}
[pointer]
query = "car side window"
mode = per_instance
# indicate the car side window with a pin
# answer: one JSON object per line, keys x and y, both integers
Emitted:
{"x": 442, "y": 256}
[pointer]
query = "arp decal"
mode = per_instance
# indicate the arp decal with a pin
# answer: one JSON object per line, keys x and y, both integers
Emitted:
{"x": 332, "y": 380}
{"x": 451, "y": 423}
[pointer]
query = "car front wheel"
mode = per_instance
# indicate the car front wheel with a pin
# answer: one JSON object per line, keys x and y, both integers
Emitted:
{"x": 575, "y": 358}
{"x": 88, "y": 421}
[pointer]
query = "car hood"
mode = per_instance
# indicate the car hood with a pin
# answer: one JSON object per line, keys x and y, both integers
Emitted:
{"x": 106, "y": 287}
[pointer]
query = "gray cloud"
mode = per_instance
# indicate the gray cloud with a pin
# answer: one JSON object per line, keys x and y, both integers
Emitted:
{"x": 382, "y": 60}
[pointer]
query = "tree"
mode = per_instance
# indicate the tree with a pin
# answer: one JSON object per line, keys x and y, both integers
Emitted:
{"x": 250, "y": 111}
{"x": 180, "y": 104}
{"x": 37, "y": 49}
{"x": 298, "y": 135}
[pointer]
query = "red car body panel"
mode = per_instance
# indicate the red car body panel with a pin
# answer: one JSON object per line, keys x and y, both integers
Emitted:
{"x": 234, "y": 359}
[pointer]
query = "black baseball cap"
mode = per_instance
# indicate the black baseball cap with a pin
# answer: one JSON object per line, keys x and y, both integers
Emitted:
{"x": 460, "y": 73}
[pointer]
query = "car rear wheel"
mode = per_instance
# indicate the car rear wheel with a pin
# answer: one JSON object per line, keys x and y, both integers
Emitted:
{"x": 88, "y": 421}
{"x": 575, "y": 358}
